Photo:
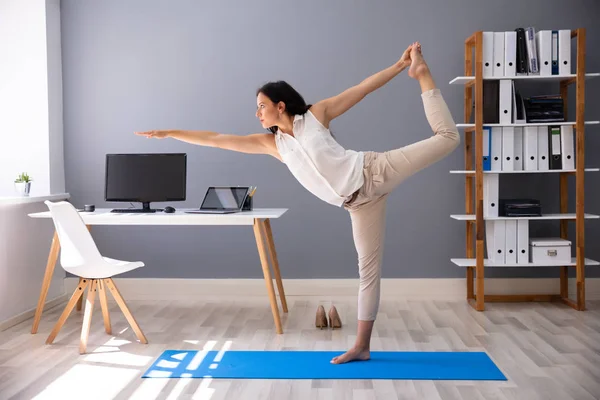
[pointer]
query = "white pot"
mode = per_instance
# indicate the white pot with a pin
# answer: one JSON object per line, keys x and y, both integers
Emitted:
{"x": 23, "y": 188}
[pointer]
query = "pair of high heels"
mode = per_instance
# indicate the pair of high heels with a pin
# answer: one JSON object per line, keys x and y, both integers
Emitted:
{"x": 334, "y": 318}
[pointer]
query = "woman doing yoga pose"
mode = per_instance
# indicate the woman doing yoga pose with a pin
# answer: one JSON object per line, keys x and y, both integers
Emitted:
{"x": 358, "y": 181}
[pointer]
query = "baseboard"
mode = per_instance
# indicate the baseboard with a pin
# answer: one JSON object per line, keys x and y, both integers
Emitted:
{"x": 439, "y": 289}
{"x": 30, "y": 313}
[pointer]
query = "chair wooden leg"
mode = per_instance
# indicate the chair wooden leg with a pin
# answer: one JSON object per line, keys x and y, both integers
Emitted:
{"x": 67, "y": 311}
{"x": 275, "y": 262}
{"x": 87, "y": 316}
{"x": 80, "y": 301}
{"x": 50, "y": 264}
{"x": 119, "y": 299}
{"x": 104, "y": 305}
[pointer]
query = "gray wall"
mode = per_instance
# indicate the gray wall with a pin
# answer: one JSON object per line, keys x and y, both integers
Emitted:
{"x": 139, "y": 65}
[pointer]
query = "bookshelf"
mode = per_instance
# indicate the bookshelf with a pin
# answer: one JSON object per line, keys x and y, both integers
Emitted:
{"x": 474, "y": 262}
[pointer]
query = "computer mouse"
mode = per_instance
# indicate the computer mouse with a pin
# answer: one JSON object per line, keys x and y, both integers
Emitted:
{"x": 169, "y": 209}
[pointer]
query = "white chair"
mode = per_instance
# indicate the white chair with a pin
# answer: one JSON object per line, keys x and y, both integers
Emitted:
{"x": 80, "y": 256}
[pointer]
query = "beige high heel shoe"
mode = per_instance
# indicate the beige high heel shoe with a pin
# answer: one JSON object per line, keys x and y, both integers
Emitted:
{"x": 321, "y": 318}
{"x": 334, "y": 318}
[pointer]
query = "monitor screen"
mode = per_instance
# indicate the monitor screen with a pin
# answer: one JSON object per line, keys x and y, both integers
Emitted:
{"x": 145, "y": 177}
{"x": 224, "y": 197}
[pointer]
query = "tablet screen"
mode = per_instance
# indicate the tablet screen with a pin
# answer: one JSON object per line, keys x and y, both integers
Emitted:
{"x": 224, "y": 197}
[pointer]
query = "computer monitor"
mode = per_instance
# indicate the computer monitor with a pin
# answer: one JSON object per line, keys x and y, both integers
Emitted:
{"x": 145, "y": 178}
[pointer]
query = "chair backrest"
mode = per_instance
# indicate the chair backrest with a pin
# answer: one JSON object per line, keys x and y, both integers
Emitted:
{"x": 76, "y": 243}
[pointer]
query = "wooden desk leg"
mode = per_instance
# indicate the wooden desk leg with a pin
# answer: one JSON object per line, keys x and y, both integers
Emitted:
{"x": 276, "y": 271}
{"x": 80, "y": 301}
{"x": 52, "y": 257}
{"x": 260, "y": 244}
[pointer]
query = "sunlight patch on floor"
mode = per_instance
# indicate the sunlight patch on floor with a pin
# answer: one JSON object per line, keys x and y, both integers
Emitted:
{"x": 112, "y": 355}
{"x": 80, "y": 379}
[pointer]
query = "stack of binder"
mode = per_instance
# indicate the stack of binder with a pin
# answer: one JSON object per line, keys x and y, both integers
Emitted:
{"x": 508, "y": 241}
{"x": 528, "y": 148}
{"x": 525, "y": 52}
{"x": 503, "y": 103}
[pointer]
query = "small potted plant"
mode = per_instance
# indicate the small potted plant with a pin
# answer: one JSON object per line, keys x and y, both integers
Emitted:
{"x": 23, "y": 184}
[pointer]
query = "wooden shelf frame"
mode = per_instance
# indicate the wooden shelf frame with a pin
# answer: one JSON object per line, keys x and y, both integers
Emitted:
{"x": 473, "y": 90}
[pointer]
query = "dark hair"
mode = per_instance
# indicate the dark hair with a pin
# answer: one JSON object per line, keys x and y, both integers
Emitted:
{"x": 283, "y": 91}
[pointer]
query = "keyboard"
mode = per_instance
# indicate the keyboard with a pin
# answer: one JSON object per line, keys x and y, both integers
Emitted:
{"x": 132, "y": 210}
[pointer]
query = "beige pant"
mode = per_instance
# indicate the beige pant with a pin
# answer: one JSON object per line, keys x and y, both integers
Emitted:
{"x": 383, "y": 172}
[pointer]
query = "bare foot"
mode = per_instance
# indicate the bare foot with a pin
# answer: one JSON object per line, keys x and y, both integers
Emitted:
{"x": 354, "y": 354}
{"x": 418, "y": 66}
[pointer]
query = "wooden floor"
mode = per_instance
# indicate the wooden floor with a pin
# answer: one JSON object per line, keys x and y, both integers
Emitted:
{"x": 547, "y": 351}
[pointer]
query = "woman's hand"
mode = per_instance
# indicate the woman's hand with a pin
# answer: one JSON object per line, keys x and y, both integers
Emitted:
{"x": 154, "y": 134}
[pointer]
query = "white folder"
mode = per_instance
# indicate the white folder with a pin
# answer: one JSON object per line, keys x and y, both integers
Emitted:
{"x": 496, "y": 152}
{"x": 498, "y": 54}
{"x": 510, "y": 246}
{"x": 543, "y": 148}
{"x": 496, "y": 240}
{"x": 510, "y": 53}
{"x": 544, "y": 46}
{"x": 518, "y": 148}
{"x": 491, "y": 189}
{"x": 564, "y": 52}
{"x": 530, "y": 148}
{"x": 567, "y": 147}
{"x": 505, "y": 103}
{"x": 488, "y": 54}
{"x": 522, "y": 241}
{"x": 508, "y": 148}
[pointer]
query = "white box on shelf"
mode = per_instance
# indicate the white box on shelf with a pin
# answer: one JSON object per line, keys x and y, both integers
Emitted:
{"x": 550, "y": 250}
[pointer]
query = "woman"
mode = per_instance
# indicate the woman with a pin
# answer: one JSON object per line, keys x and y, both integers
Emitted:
{"x": 358, "y": 181}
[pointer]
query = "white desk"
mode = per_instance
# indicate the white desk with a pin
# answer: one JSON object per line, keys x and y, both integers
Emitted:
{"x": 258, "y": 218}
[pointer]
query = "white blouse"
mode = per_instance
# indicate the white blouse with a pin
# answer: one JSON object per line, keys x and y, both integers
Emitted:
{"x": 318, "y": 162}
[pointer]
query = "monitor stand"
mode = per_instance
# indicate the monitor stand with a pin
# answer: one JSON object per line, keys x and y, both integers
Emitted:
{"x": 145, "y": 209}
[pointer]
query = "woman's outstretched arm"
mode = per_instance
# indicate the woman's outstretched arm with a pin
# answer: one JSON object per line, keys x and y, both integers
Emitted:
{"x": 255, "y": 143}
{"x": 335, "y": 106}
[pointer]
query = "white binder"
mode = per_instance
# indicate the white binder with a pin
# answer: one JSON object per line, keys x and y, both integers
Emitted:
{"x": 530, "y": 148}
{"x": 488, "y": 54}
{"x": 510, "y": 251}
{"x": 543, "y": 148}
{"x": 510, "y": 53}
{"x": 498, "y": 70}
{"x": 522, "y": 241}
{"x": 491, "y": 188}
{"x": 505, "y": 103}
{"x": 495, "y": 235}
{"x": 564, "y": 52}
{"x": 518, "y": 148}
{"x": 544, "y": 46}
{"x": 567, "y": 147}
{"x": 508, "y": 148}
{"x": 496, "y": 152}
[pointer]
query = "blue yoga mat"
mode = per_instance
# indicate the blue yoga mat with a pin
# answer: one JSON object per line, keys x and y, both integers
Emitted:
{"x": 316, "y": 365}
